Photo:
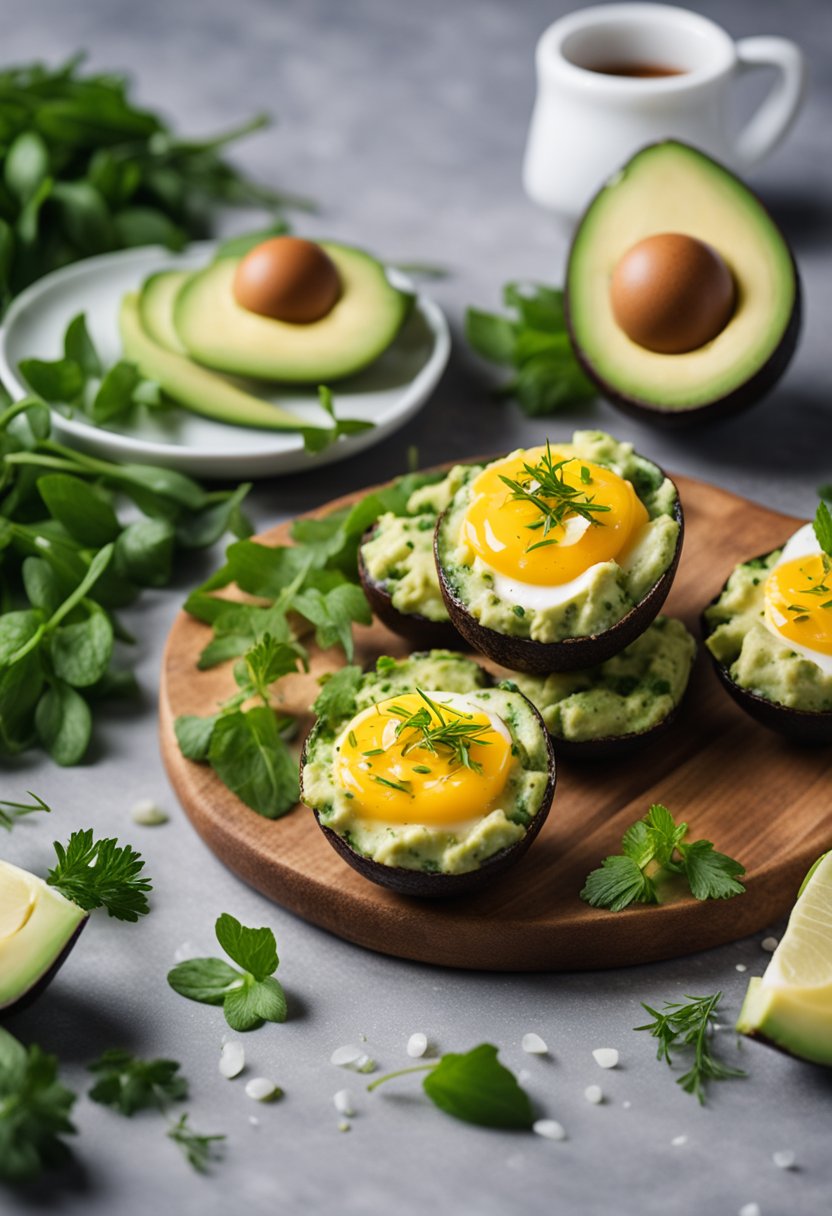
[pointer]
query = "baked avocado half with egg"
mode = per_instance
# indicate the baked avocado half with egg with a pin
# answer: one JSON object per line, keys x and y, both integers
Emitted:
{"x": 432, "y": 792}
{"x": 555, "y": 558}
{"x": 769, "y": 632}
{"x": 305, "y": 312}
{"x": 682, "y": 296}
{"x": 38, "y": 928}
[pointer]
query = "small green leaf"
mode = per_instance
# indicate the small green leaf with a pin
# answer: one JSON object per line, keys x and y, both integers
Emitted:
{"x": 134, "y": 226}
{"x": 255, "y": 950}
{"x": 128, "y": 1084}
{"x": 26, "y": 165}
{"x": 208, "y": 980}
{"x": 336, "y": 700}
{"x": 60, "y": 381}
{"x": 823, "y": 528}
{"x": 618, "y": 883}
{"x": 79, "y": 349}
{"x": 711, "y": 875}
{"x": 81, "y": 652}
{"x": 193, "y": 734}
{"x": 249, "y": 756}
{"x": 80, "y": 508}
{"x": 477, "y": 1088}
{"x": 114, "y": 398}
{"x": 493, "y": 337}
{"x": 257, "y": 1002}
{"x": 64, "y": 724}
{"x": 144, "y": 552}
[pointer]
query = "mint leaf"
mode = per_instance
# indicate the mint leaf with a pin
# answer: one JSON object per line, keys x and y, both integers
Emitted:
{"x": 193, "y": 734}
{"x": 493, "y": 337}
{"x": 208, "y": 980}
{"x": 477, "y": 1088}
{"x": 711, "y": 875}
{"x": 247, "y": 753}
{"x": 255, "y": 950}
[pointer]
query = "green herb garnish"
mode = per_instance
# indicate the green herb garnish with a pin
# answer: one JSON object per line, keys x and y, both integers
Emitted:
{"x": 11, "y": 812}
{"x": 689, "y": 1027}
{"x": 473, "y": 1086}
{"x": 430, "y": 729}
{"x": 101, "y": 874}
{"x": 654, "y": 848}
{"x": 250, "y": 996}
{"x": 34, "y": 1111}
{"x": 545, "y": 487}
{"x": 823, "y": 528}
{"x": 199, "y": 1150}
{"x": 128, "y": 1084}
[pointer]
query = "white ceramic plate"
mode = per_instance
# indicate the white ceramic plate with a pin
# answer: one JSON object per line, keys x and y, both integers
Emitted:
{"x": 388, "y": 393}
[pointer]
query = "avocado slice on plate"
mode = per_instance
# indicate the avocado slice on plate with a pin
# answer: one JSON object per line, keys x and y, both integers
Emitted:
{"x": 790, "y": 1007}
{"x": 682, "y": 295}
{"x": 156, "y": 307}
{"x": 218, "y": 333}
{"x": 38, "y": 927}
{"x": 196, "y": 388}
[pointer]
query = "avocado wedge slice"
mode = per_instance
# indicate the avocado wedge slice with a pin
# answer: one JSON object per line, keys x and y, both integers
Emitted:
{"x": 156, "y": 297}
{"x": 218, "y": 333}
{"x": 38, "y": 928}
{"x": 671, "y": 188}
{"x": 790, "y": 1006}
{"x": 195, "y": 388}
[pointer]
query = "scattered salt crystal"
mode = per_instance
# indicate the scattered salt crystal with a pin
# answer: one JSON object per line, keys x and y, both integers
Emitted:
{"x": 626, "y": 1105}
{"x": 343, "y": 1126}
{"x": 549, "y": 1129}
{"x": 346, "y": 1057}
{"x": 594, "y": 1094}
{"x": 147, "y": 813}
{"x": 678, "y": 1141}
{"x": 784, "y": 1159}
{"x": 232, "y": 1059}
{"x": 769, "y": 944}
{"x": 534, "y": 1045}
{"x": 364, "y": 1064}
{"x": 605, "y": 1057}
{"x": 343, "y": 1102}
{"x": 254, "y": 1121}
{"x": 749, "y": 1209}
{"x": 417, "y": 1045}
{"x": 261, "y": 1089}
{"x": 741, "y": 967}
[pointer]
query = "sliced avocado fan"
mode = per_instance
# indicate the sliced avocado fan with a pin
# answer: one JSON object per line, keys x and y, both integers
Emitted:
{"x": 790, "y": 1007}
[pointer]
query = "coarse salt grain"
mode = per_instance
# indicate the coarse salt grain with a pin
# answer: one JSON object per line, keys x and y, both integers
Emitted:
{"x": 749, "y": 1209}
{"x": 549, "y": 1129}
{"x": 417, "y": 1045}
{"x": 769, "y": 944}
{"x": 346, "y": 1056}
{"x": 232, "y": 1059}
{"x": 147, "y": 813}
{"x": 605, "y": 1057}
{"x": 533, "y": 1044}
{"x": 784, "y": 1159}
{"x": 343, "y": 1102}
{"x": 261, "y": 1089}
{"x": 678, "y": 1141}
{"x": 594, "y": 1094}
{"x": 741, "y": 967}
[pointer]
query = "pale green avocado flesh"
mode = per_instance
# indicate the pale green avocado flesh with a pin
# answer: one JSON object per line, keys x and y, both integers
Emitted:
{"x": 194, "y": 387}
{"x": 156, "y": 308}
{"x": 796, "y": 1027}
{"x": 670, "y": 187}
{"x": 218, "y": 333}
{"x": 37, "y": 925}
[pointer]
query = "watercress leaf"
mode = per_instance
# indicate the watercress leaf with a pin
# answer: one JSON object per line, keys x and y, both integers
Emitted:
{"x": 149, "y": 393}
{"x": 477, "y": 1088}
{"x": 41, "y": 584}
{"x": 711, "y": 875}
{"x": 20, "y": 689}
{"x": 336, "y": 700}
{"x": 60, "y": 381}
{"x": 82, "y": 510}
{"x": 114, "y": 397}
{"x": 617, "y": 883}
{"x": 255, "y": 950}
{"x": 538, "y": 306}
{"x": 263, "y": 570}
{"x": 193, "y": 734}
{"x": 250, "y": 757}
{"x": 333, "y": 613}
{"x": 79, "y": 348}
{"x": 64, "y": 723}
{"x": 26, "y": 165}
{"x": 256, "y": 1002}
{"x": 141, "y": 480}
{"x": 493, "y": 337}
{"x": 208, "y": 980}
{"x": 84, "y": 217}
{"x": 144, "y": 552}
{"x": 135, "y": 226}
{"x": 205, "y": 527}
{"x": 17, "y": 630}
{"x": 81, "y": 652}
{"x": 221, "y": 649}
{"x": 205, "y": 607}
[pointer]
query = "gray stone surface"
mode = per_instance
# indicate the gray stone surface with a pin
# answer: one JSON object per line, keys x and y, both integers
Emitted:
{"x": 407, "y": 121}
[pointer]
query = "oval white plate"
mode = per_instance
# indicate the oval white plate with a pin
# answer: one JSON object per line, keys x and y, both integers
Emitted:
{"x": 388, "y": 393}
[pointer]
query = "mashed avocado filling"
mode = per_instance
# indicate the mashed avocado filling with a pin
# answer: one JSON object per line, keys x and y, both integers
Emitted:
{"x": 756, "y": 659}
{"x": 447, "y": 848}
{"x": 628, "y": 695}
{"x": 610, "y": 592}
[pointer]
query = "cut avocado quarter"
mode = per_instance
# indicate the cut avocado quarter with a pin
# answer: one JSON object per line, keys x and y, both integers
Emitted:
{"x": 196, "y": 388}
{"x": 790, "y": 1007}
{"x": 38, "y": 927}
{"x": 218, "y": 333}
{"x": 671, "y": 188}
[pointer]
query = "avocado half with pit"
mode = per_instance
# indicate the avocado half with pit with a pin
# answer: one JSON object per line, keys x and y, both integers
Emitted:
{"x": 682, "y": 295}
{"x": 38, "y": 928}
{"x": 430, "y": 860}
{"x": 217, "y": 332}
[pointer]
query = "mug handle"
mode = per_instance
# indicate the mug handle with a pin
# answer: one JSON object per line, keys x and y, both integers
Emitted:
{"x": 764, "y": 131}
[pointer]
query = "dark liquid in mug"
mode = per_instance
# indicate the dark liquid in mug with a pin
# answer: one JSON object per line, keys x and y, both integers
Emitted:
{"x": 635, "y": 69}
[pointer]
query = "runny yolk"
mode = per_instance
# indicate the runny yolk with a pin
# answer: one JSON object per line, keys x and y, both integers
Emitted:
{"x": 798, "y": 597}
{"x": 503, "y": 530}
{"x": 391, "y": 772}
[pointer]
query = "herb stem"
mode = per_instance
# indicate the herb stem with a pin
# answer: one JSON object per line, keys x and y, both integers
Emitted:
{"x": 401, "y": 1072}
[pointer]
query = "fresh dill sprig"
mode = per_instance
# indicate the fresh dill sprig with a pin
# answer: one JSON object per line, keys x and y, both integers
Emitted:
{"x": 10, "y": 812}
{"x": 546, "y": 488}
{"x": 689, "y": 1027}
{"x": 430, "y": 729}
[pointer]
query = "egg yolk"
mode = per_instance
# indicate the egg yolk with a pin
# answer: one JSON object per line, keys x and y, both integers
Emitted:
{"x": 508, "y": 531}
{"x": 402, "y": 761}
{"x": 798, "y": 597}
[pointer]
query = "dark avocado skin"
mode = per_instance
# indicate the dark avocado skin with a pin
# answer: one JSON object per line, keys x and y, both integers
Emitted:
{"x": 422, "y": 885}
{"x": 572, "y": 654}
{"x": 799, "y": 725}
{"x": 31, "y": 994}
{"x": 759, "y": 1037}
{"x": 613, "y": 747}
{"x": 743, "y": 396}
{"x": 418, "y": 630}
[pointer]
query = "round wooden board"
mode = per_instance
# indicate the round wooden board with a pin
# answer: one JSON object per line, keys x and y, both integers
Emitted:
{"x": 757, "y": 797}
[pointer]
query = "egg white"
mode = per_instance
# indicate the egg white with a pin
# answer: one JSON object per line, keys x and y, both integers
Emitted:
{"x": 803, "y": 543}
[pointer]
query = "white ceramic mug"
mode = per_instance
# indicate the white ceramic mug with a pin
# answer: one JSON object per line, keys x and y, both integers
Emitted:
{"x": 587, "y": 123}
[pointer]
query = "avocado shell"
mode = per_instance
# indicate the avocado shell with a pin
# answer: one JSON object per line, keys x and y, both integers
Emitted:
{"x": 416, "y": 629}
{"x": 423, "y": 885}
{"x": 45, "y": 979}
{"x": 571, "y": 654}
{"x": 612, "y": 747}
{"x": 809, "y": 726}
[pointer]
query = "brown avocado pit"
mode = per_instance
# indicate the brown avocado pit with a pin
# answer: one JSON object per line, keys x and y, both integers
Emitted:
{"x": 571, "y": 654}
{"x": 421, "y": 884}
{"x": 420, "y": 631}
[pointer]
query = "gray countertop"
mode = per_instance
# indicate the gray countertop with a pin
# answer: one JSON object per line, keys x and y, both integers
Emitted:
{"x": 407, "y": 122}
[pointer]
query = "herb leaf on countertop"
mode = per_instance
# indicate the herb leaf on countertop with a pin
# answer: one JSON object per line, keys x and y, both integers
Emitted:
{"x": 199, "y": 1150}
{"x": 129, "y": 1084}
{"x": 34, "y": 1111}
{"x": 12, "y": 812}
{"x": 689, "y": 1027}
{"x": 101, "y": 874}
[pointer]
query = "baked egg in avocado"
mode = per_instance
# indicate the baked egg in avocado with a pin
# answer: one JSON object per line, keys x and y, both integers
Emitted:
{"x": 682, "y": 296}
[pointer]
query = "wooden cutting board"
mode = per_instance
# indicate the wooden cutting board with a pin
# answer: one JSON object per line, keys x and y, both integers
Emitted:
{"x": 757, "y": 797}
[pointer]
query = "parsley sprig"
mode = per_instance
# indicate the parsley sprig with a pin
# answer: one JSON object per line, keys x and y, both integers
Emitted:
{"x": 689, "y": 1027}
{"x": 199, "y": 1150}
{"x": 11, "y": 812}
{"x": 655, "y": 847}
{"x": 101, "y": 873}
{"x": 430, "y": 728}
{"x": 35, "y": 1111}
{"x": 128, "y": 1084}
{"x": 545, "y": 487}
{"x": 250, "y": 996}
